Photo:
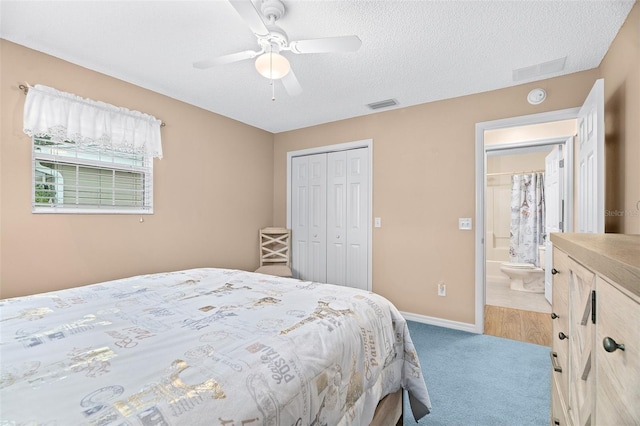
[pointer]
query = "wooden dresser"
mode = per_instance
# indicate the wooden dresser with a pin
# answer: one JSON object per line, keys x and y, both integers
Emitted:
{"x": 595, "y": 355}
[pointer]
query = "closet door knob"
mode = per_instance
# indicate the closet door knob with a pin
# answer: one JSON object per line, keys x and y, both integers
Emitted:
{"x": 562, "y": 336}
{"x": 554, "y": 315}
{"x": 611, "y": 345}
{"x": 554, "y": 271}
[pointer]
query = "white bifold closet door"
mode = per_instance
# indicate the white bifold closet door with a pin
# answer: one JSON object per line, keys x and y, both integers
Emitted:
{"x": 330, "y": 210}
{"x": 309, "y": 217}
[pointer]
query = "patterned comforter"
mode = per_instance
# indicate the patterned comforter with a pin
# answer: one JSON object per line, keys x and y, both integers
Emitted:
{"x": 204, "y": 347}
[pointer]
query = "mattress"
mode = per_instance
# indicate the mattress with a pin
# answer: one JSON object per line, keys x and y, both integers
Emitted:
{"x": 204, "y": 347}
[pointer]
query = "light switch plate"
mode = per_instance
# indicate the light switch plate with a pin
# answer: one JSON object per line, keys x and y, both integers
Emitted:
{"x": 377, "y": 222}
{"x": 464, "y": 223}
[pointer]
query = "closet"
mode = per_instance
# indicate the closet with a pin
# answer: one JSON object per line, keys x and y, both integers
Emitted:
{"x": 329, "y": 217}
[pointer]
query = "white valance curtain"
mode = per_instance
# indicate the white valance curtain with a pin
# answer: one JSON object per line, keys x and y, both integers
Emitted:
{"x": 67, "y": 117}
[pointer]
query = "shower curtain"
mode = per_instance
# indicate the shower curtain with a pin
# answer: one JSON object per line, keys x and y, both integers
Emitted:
{"x": 527, "y": 217}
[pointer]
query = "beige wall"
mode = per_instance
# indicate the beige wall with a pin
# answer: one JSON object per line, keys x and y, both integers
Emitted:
{"x": 211, "y": 195}
{"x": 423, "y": 181}
{"x": 621, "y": 71}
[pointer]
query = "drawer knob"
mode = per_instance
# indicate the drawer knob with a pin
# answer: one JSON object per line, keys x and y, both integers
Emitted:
{"x": 554, "y": 315}
{"x": 554, "y": 271}
{"x": 611, "y": 345}
{"x": 562, "y": 336}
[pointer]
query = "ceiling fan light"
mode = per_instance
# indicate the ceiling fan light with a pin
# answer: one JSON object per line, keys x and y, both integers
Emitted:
{"x": 272, "y": 65}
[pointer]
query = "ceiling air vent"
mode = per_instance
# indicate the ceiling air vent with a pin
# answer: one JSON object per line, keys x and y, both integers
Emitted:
{"x": 383, "y": 104}
{"x": 534, "y": 71}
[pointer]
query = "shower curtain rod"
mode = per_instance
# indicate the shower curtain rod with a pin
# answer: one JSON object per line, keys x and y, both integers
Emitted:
{"x": 514, "y": 173}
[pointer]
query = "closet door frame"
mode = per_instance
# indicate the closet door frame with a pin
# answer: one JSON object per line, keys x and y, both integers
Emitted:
{"x": 365, "y": 143}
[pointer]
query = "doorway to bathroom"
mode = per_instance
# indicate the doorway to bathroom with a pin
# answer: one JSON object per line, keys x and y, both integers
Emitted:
{"x": 525, "y": 194}
{"x": 528, "y": 171}
{"x": 586, "y": 213}
{"x": 512, "y": 146}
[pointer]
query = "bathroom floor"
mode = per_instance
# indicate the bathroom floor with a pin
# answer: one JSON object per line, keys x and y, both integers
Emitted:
{"x": 518, "y": 324}
{"x": 498, "y": 293}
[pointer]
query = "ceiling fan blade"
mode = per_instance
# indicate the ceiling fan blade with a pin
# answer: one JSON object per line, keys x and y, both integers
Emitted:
{"x": 226, "y": 59}
{"x": 326, "y": 45}
{"x": 251, "y": 16}
{"x": 291, "y": 84}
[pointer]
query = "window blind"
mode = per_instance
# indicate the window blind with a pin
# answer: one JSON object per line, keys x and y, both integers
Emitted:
{"x": 71, "y": 178}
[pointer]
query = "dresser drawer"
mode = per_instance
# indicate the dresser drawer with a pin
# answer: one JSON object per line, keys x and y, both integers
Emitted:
{"x": 581, "y": 330}
{"x": 559, "y": 416}
{"x": 581, "y": 283}
{"x": 618, "y": 372}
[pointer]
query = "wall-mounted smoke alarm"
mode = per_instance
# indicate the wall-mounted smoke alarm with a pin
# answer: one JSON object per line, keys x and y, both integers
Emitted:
{"x": 536, "y": 96}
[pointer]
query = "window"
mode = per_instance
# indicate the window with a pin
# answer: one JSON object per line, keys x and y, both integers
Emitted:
{"x": 89, "y": 156}
{"x": 73, "y": 178}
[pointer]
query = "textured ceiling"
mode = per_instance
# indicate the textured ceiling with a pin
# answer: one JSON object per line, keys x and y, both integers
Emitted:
{"x": 412, "y": 51}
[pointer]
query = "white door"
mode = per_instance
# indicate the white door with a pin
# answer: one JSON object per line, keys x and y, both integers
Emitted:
{"x": 358, "y": 218}
{"x": 318, "y": 218}
{"x": 554, "y": 210}
{"x": 347, "y": 218}
{"x": 308, "y": 225}
{"x": 330, "y": 217}
{"x": 590, "y": 148}
{"x": 300, "y": 221}
{"x": 336, "y": 218}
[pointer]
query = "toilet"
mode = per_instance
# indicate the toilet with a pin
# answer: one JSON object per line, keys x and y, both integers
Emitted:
{"x": 525, "y": 276}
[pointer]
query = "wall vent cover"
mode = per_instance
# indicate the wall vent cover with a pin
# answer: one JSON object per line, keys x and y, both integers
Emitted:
{"x": 383, "y": 104}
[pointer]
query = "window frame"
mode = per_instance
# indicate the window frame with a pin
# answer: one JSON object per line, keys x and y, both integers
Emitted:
{"x": 146, "y": 170}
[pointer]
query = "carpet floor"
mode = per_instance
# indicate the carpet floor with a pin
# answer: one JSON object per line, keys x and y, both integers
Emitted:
{"x": 478, "y": 380}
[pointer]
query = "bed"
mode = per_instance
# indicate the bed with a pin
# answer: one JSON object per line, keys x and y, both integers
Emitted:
{"x": 206, "y": 347}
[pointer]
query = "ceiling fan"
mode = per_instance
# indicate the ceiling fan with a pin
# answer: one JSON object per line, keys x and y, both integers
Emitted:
{"x": 272, "y": 40}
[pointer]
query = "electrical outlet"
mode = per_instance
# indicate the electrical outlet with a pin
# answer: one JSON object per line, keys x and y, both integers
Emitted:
{"x": 464, "y": 223}
{"x": 442, "y": 289}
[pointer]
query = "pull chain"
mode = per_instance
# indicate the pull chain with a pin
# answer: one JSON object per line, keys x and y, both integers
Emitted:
{"x": 273, "y": 86}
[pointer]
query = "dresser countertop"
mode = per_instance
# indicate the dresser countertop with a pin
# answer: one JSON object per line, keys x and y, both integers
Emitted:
{"x": 613, "y": 256}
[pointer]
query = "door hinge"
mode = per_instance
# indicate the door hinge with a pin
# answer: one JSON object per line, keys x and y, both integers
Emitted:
{"x": 561, "y": 226}
{"x": 593, "y": 306}
{"x": 561, "y": 163}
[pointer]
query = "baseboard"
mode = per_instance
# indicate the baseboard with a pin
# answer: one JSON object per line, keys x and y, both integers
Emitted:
{"x": 471, "y": 328}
